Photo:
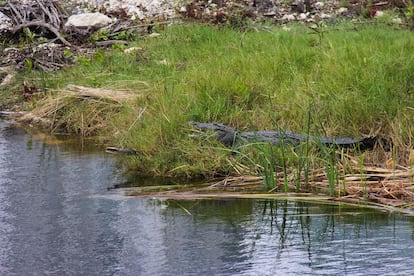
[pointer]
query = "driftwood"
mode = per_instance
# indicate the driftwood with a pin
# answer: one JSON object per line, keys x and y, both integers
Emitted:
{"x": 230, "y": 136}
{"x": 11, "y": 114}
{"x": 121, "y": 150}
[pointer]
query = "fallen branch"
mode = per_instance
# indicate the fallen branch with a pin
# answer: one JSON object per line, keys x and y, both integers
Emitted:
{"x": 121, "y": 150}
{"x": 52, "y": 19}
{"x": 15, "y": 11}
{"x": 44, "y": 25}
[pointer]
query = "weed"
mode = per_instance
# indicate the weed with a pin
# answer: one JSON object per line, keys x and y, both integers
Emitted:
{"x": 267, "y": 163}
{"x": 410, "y": 14}
{"x": 101, "y": 35}
{"x": 319, "y": 28}
{"x": 29, "y": 36}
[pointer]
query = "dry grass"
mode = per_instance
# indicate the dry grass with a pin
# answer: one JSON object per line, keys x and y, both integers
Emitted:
{"x": 78, "y": 109}
{"x": 391, "y": 189}
{"x": 99, "y": 94}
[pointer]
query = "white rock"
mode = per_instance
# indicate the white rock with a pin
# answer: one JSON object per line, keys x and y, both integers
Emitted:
{"x": 342, "y": 10}
{"x": 5, "y": 22}
{"x": 319, "y": 5}
{"x": 135, "y": 9}
{"x": 154, "y": 35}
{"x": 135, "y": 12}
{"x": 302, "y": 17}
{"x": 183, "y": 9}
{"x": 132, "y": 50}
{"x": 325, "y": 16}
{"x": 115, "y": 4}
{"x": 397, "y": 20}
{"x": 379, "y": 13}
{"x": 288, "y": 17}
{"x": 85, "y": 20}
{"x": 7, "y": 80}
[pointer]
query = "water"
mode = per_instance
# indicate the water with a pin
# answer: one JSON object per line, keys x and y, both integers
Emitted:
{"x": 58, "y": 218}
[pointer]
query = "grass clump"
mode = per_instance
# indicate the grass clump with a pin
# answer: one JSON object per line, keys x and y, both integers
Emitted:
{"x": 358, "y": 81}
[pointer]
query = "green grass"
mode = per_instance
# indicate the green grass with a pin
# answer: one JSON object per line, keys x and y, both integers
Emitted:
{"x": 356, "y": 81}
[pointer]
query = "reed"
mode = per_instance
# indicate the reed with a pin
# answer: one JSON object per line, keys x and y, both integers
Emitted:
{"x": 304, "y": 157}
{"x": 267, "y": 163}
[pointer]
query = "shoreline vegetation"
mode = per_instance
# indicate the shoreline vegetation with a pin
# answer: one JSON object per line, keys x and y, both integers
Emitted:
{"x": 341, "y": 78}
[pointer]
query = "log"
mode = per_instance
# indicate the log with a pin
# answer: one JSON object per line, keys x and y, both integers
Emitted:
{"x": 121, "y": 150}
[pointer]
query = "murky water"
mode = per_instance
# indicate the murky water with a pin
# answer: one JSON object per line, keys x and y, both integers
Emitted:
{"x": 57, "y": 218}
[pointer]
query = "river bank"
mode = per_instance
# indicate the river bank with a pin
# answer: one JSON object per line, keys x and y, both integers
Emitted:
{"x": 325, "y": 78}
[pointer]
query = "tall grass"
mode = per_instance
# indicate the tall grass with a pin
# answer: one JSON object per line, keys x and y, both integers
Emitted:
{"x": 358, "y": 81}
{"x": 304, "y": 157}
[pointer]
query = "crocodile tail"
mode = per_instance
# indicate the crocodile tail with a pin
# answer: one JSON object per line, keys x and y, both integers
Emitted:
{"x": 368, "y": 143}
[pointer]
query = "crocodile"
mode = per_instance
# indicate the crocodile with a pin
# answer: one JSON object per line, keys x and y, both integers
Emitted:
{"x": 230, "y": 137}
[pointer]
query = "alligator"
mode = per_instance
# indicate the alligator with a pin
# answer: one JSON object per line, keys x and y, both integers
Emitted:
{"x": 231, "y": 137}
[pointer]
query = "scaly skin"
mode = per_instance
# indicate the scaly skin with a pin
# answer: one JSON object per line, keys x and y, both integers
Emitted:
{"x": 230, "y": 136}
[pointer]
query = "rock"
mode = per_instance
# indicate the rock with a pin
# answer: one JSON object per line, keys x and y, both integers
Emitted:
{"x": 217, "y": 11}
{"x": 319, "y": 5}
{"x": 7, "y": 76}
{"x": 88, "y": 20}
{"x": 7, "y": 80}
{"x": 6, "y": 24}
{"x": 342, "y": 11}
{"x": 154, "y": 35}
{"x": 289, "y": 17}
{"x": 132, "y": 50}
{"x": 397, "y": 20}
{"x": 140, "y": 9}
{"x": 302, "y": 17}
{"x": 379, "y": 13}
{"x": 135, "y": 12}
{"x": 325, "y": 16}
